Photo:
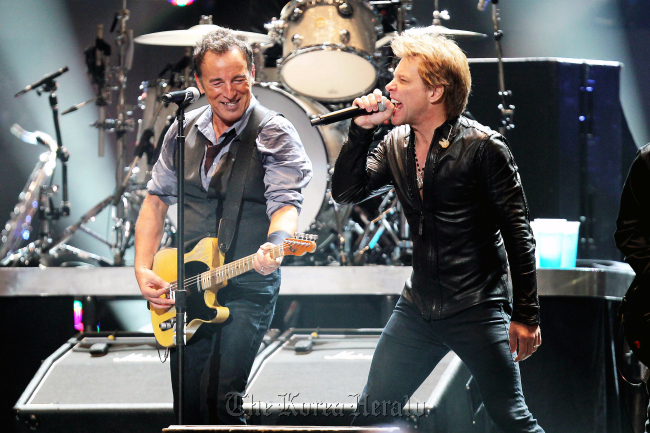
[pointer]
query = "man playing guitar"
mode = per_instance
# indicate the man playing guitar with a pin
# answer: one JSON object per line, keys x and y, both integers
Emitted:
{"x": 219, "y": 357}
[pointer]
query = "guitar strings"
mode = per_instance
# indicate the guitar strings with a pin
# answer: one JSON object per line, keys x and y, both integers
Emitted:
{"x": 193, "y": 280}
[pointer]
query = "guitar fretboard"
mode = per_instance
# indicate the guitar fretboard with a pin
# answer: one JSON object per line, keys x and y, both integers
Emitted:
{"x": 222, "y": 273}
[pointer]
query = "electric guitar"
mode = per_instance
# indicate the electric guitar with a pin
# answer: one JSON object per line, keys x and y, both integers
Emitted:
{"x": 206, "y": 273}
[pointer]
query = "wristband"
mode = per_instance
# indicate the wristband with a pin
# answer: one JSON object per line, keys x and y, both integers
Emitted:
{"x": 277, "y": 237}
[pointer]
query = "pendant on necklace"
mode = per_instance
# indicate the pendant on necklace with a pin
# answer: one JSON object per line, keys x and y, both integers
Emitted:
{"x": 420, "y": 179}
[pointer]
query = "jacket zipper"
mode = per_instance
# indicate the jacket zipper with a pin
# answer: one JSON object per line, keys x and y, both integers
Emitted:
{"x": 434, "y": 163}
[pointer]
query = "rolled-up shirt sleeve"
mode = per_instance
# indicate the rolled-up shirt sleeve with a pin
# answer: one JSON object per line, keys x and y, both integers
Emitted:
{"x": 163, "y": 174}
{"x": 287, "y": 167}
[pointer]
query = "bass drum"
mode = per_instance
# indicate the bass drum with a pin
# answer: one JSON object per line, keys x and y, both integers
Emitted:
{"x": 322, "y": 144}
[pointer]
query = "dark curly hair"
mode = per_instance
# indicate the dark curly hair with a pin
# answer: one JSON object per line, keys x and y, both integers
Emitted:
{"x": 221, "y": 41}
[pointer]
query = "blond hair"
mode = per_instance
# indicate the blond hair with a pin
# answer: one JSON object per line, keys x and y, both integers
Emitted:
{"x": 443, "y": 64}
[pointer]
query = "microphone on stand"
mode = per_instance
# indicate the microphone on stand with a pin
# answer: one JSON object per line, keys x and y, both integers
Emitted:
{"x": 42, "y": 81}
{"x": 346, "y": 113}
{"x": 187, "y": 96}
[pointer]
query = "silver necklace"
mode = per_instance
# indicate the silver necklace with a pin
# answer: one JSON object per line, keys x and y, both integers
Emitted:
{"x": 444, "y": 143}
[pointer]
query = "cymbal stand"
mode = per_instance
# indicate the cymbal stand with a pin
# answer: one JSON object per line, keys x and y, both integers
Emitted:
{"x": 376, "y": 228}
{"x": 124, "y": 42}
{"x": 120, "y": 197}
{"x": 339, "y": 215}
{"x": 437, "y": 15}
{"x": 506, "y": 109}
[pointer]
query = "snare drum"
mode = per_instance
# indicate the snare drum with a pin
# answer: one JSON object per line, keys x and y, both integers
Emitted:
{"x": 327, "y": 49}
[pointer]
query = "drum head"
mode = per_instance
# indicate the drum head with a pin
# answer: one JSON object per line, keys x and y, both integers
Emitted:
{"x": 328, "y": 75}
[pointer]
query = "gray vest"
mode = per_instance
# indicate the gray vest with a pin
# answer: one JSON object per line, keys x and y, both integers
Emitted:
{"x": 203, "y": 209}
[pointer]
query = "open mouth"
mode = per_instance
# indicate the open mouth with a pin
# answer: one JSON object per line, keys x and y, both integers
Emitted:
{"x": 231, "y": 104}
{"x": 396, "y": 103}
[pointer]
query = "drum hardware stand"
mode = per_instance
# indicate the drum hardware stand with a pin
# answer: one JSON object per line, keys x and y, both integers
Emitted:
{"x": 437, "y": 15}
{"x": 505, "y": 108}
{"x": 97, "y": 60}
{"x": 47, "y": 210}
{"x": 119, "y": 196}
{"x": 375, "y": 229}
{"x": 343, "y": 257}
{"x": 179, "y": 72}
{"x": 20, "y": 220}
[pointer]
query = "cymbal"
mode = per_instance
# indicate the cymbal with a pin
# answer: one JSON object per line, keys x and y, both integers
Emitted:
{"x": 442, "y": 30}
{"x": 189, "y": 37}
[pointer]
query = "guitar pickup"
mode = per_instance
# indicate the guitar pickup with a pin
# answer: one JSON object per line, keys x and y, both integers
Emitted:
{"x": 167, "y": 324}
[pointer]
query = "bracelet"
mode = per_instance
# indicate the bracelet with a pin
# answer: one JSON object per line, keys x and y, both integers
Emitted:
{"x": 277, "y": 237}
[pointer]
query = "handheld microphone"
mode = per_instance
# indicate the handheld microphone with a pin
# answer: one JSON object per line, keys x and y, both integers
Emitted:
{"x": 482, "y": 4}
{"x": 42, "y": 81}
{"x": 187, "y": 96}
{"x": 346, "y": 113}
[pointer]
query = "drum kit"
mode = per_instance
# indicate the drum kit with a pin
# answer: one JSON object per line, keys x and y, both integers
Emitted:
{"x": 332, "y": 52}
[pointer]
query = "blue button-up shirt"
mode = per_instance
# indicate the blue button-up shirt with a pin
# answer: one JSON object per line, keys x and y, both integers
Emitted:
{"x": 287, "y": 166}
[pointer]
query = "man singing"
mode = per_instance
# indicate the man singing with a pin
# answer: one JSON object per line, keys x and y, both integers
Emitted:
{"x": 218, "y": 358}
{"x": 461, "y": 192}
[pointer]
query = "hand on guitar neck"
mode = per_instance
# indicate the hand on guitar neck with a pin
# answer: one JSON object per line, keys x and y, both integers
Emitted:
{"x": 263, "y": 262}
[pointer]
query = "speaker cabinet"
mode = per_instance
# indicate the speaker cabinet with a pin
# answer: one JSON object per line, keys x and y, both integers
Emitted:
{"x": 126, "y": 389}
{"x": 321, "y": 386}
{"x": 97, "y": 384}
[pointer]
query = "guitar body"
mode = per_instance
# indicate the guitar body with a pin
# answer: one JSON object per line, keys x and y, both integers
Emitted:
{"x": 205, "y": 272}
{"x": 205, "y": 256}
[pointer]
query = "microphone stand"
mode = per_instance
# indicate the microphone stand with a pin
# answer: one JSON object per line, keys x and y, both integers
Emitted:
{"x": 47, "y": 210}
{"x": 507, "y": 110}
{"x": 51, "y": 212}
{"x": 180, "y": 295}
{"x": 61, "y": 153}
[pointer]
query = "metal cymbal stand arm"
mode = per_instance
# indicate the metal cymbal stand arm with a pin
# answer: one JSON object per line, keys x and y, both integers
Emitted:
{"x": 124, "y": 42}
{"x": 111, "y": 200}
{"x": 507, "y": 110}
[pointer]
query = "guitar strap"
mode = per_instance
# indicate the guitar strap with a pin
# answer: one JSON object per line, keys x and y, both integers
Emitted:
{"x": 231, "y": 209}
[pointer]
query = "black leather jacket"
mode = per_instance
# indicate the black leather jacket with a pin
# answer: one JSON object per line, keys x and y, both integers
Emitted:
{"x": 633, "y": 224}
{"x": 473, "y": 203}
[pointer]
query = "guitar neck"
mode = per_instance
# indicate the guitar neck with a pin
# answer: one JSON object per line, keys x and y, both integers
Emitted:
{"x": 223, "y": 273}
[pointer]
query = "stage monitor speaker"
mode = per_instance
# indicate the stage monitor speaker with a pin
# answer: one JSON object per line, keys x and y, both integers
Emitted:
{"x": 98, "y": 384}
{"x": 87, "y": 387}
{"x": 307, "y": 380}
{"x": 569, "y": 139}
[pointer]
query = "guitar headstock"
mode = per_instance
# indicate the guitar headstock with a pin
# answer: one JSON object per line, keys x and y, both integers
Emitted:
{"x": 300, "y": 244}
